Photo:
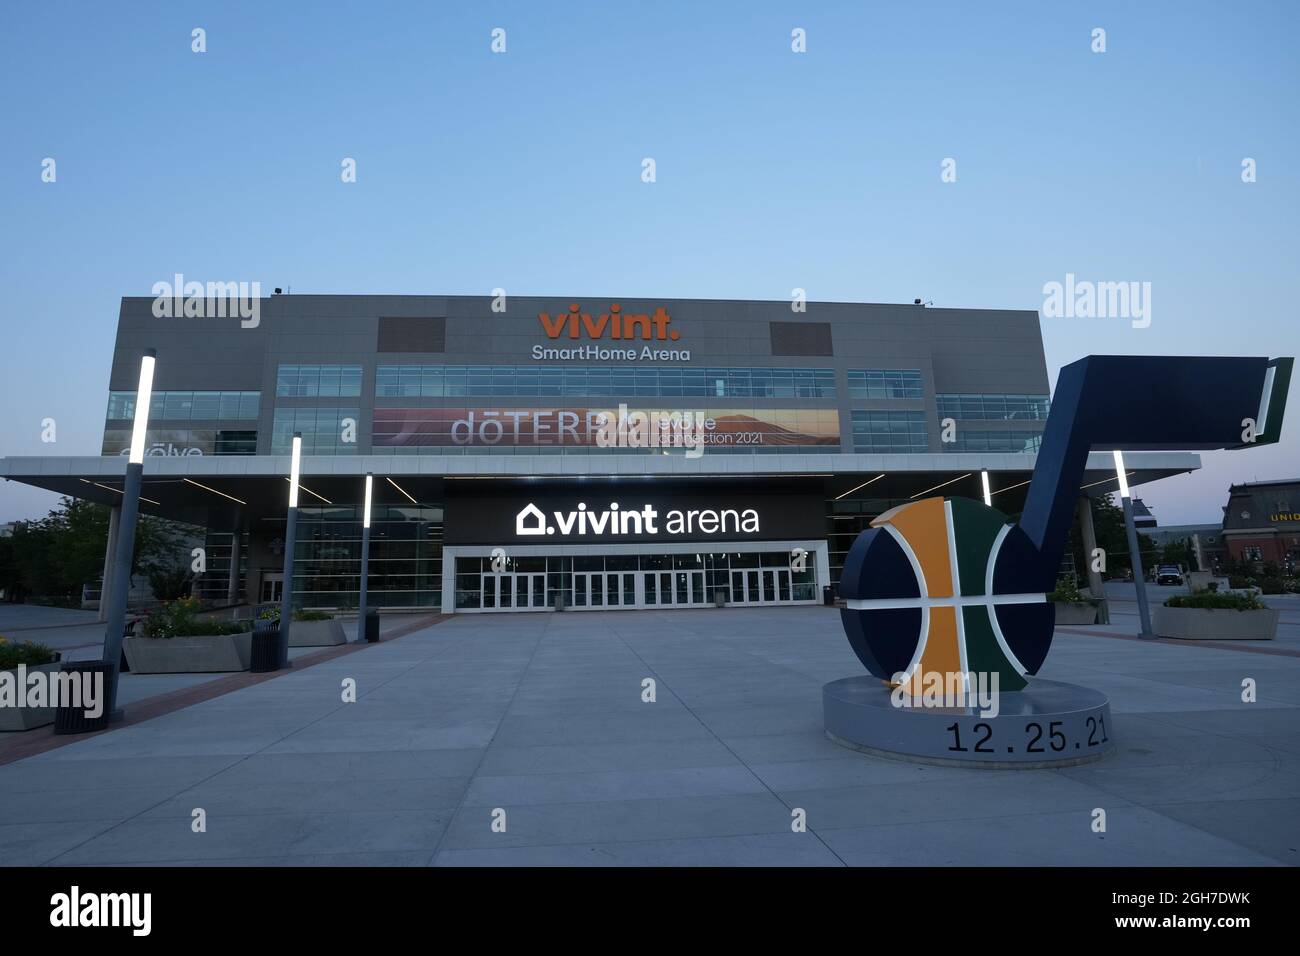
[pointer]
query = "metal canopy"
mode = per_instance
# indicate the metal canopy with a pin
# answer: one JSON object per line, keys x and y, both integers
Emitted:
{"x": 244, "y": 492}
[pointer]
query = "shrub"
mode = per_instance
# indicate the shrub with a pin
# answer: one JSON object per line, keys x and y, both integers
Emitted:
{"x": 1213, "y": 601}
{"x": 169, "y": 584}
{"x": 303, "y": 614}
{"x": 28, "y": 652}
{"x": 1067, "y": 592}
{"x": 178, "y": 619}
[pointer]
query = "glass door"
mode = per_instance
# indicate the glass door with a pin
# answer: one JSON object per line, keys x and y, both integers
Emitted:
{"x": 272, "y": 588}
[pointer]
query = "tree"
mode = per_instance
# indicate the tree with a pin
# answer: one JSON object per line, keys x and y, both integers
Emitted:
{"x": 1112, "y": 538}
{"x": 53, "y": 557}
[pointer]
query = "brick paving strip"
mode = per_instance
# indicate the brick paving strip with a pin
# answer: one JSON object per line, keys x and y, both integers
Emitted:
{"x": 44, "y": 739}
{"x": 1218, "y": 645}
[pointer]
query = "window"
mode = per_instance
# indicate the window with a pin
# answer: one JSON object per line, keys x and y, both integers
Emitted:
{"x": 1016, "y": 442}
{"x": 318, "y": 381}
{"x": 885, "y": 383}
{"x": 323, "y": 430}
{"x": 449, "y": 381}
{"x": 1252, "y": 553}
{"x": 993, "y": 408}
{"x": 889, "y": 432}
{"x": 187, "y": 406}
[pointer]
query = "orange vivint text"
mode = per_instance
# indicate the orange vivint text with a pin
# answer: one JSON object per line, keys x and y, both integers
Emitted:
{"x": 615, "y": 322}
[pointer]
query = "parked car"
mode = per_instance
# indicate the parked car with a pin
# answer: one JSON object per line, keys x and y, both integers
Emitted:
{"x": 1169, "y": 574}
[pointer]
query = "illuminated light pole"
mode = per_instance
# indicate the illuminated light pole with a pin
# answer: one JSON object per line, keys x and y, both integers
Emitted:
{"x": 1135, "y": 557}
{"x": 988, "y": 495}
{"x": 365, "y": 562}
{"x": 120, "y": 587}
{"x": 290, "y": 537}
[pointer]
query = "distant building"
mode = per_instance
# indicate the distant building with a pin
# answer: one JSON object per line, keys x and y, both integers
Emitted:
{"x": 1261, "y": 522}
{"x": 1205, "y": 540}
{"x": 1142, "y": 516}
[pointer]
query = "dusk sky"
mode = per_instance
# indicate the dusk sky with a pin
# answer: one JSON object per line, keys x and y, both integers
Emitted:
{"x": 775, "y": 170}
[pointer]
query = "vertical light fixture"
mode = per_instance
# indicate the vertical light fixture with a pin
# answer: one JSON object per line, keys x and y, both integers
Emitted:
{"x": 988, "y": 495}
{"x": 120, "y": 587}
{"x": 365, "y": 560}
{"x": 290, "y": 538}
{"x": 1135, "y": 557}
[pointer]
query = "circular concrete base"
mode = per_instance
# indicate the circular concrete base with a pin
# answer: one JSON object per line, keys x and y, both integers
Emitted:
{"x": 1048, "y": 724}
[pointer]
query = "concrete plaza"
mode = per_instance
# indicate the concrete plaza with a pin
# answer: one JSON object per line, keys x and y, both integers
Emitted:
{"x": 541, "y": 716}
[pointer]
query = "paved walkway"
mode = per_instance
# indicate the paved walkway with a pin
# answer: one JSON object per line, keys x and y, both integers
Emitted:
{"x": 541, "y": 716}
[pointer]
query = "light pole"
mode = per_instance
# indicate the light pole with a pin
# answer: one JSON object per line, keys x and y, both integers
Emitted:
{"x": 290, "y": 537}
{"x": 1135, "y": 557}
{"x": 120, "y": 586}
{"x": 988, "y": 494}
{"x": 365, "y": 562}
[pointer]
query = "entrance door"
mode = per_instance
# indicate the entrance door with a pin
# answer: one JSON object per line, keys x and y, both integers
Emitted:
{"x": 512, "y": 592}
{"x": 272, "y": 587}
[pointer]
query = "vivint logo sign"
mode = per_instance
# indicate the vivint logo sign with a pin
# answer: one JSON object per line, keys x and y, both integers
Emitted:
{"x": 614, "y": 324}
{"x": 614, "y": 520}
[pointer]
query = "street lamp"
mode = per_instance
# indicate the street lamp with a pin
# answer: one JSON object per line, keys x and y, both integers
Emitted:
{"x": 290, "y": 536}
{"x": 1135, "y": 557}
{"x": 121, "y": 573}
{"x": 988, "y": 494}
{"x": 365, "y": 561}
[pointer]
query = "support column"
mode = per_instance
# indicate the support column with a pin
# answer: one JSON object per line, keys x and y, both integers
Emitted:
{"x": 1139, "y": 578}
{"x": 1095, "y": 584}
{"x": 110, "y": 549}
{"x": 232, "y": 582}
{"x": 286, "y": 595}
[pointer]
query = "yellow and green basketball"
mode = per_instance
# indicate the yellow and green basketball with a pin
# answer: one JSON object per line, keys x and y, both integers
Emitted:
{"x": 940, "y": 585}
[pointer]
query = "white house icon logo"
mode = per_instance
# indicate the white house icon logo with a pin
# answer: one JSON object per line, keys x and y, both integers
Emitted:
{"x": 531, "y": 511}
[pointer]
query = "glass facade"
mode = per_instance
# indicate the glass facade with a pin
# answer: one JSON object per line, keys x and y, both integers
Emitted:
{"x": 993, "y": 408}
{"x": 405, "y": 556}
{"x": 182, "y": 442}
{"x": 187, "y": 406}
{"x": 889, "y": 432}
{"x": 444, "y": 381}
{"x": 325, "y": 431}
{"x": 885, "y": 383}
{"x": 314, "y": 381}
{"x": 1005, "y": 441}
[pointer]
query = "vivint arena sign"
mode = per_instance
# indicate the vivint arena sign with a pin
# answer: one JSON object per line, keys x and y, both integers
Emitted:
{"x": 614, "y": 325}
{"x": 657, "y": 513}
{"x": 613, "y": 520}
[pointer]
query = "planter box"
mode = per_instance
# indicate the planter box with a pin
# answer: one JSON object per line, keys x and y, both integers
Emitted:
{"x": 1200, "y": 624}
{"x": 213, "y": 653}
{"x": 1067, "y": 614}
{"x": 316, "y": 633}
{"x": 28, "y": 718}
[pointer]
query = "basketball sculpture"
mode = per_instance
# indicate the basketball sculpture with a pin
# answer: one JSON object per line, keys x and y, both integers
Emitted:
{"x": 949, "y": 591}
{"x": 944, "y": 585}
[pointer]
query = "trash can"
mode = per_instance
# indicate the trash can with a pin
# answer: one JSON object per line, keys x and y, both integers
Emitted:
{"x": 266, "y": 647}
{"x": 719, "y": 597}
{"x": 559, "y": 600}
{"x": 69, "y": 719}
{"x": 828, "y": 595}
{"x": 372, "y": 627}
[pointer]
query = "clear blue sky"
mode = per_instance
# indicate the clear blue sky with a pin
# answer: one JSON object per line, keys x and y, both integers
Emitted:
{"x": 775, "y": 170}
